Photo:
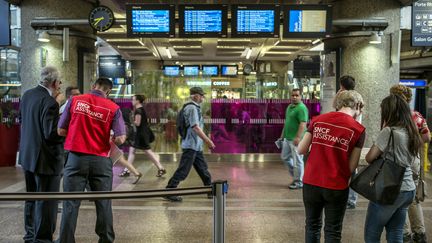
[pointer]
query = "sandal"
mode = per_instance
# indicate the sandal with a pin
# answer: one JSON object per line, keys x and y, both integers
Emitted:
{"x": 161, "y": 172}
{"x": 124, "y": 173}
{"x": 137, "y": 178}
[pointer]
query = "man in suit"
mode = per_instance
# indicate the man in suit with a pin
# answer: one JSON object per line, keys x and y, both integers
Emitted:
{"x": 41, "y": 154}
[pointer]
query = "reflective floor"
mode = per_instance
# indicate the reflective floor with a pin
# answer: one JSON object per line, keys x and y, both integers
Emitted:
{"x": 260, "y": 207}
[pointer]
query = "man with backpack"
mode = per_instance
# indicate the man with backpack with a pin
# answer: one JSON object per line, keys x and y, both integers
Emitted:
{"x": 190, "y": 124}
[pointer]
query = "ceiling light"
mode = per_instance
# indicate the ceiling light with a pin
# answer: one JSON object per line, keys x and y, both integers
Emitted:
{"x": 168, "y": 53}
{"x": 375, "y": 38}
{"x": 316, "y": 41}
{"x": 249, "y": 52}
{"x": 43, "y": 36}
{"x": 277, "y": 42}
{"x": 154, "y": 54}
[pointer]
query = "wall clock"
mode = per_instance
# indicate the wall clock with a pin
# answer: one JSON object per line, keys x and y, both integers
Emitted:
{"x": 101, "y": 18}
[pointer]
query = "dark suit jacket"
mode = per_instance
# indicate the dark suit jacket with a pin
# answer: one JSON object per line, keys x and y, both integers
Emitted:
{"x": 41, "y": 148}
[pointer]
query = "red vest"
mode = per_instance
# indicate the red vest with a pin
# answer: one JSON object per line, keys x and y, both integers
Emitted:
{"x": 90, "y": 125}
{"x": 334, "y": 136}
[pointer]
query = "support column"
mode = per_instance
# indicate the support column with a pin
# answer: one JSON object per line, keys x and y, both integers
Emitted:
{"x": 371, "y": 65}
{"x": 35, "y": 54}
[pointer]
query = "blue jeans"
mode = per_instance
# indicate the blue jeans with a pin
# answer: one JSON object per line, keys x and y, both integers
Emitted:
{"x": 188, "y": 159}
{"x": 293, "y": 160}
{"x": 96, "y": 171}
{"x": 392, "y": 217}
{"x": 352, "y": 196}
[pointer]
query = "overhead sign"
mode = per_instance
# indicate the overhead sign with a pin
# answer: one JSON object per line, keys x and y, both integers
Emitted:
{"x": 413, "y": 82}
{"x": 421, "y": 34}
{"x": 112, "y": 66}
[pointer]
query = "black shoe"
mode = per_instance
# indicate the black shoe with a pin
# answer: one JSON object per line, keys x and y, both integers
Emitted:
{"x": 161, "y": 172}
{"x": 351, "y": 206}
{"x": 173, "y": 198}
{"x": 296, "y": 185}
{"x": 137, "y": 178}
{"x": 124, "y": 173}
{"x": 419, "y": 238}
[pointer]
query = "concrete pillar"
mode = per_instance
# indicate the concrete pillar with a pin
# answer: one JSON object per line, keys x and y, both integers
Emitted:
{"x": 371, "y": 65}
{"x": 34, "y": 53}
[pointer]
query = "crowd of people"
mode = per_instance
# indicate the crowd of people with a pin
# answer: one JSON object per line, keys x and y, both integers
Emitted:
{"x": 91, "y": 127}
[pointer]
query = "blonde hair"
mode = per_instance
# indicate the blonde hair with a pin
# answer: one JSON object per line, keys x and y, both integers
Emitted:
{"x": 403, "y": 91}
{"x": 348, "y": 98}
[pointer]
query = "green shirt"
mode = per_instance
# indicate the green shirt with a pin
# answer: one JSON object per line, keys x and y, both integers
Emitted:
{"x": 293, "y": 116}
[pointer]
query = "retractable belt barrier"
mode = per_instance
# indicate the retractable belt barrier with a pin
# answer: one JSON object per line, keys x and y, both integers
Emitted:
{"x": 219, "y": 189}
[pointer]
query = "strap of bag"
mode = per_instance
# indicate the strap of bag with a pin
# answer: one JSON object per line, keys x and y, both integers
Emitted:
{"x": 391, "y": 139}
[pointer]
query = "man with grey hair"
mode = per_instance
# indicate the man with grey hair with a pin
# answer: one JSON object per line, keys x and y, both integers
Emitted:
{"x": 41, "y": 154}
{"x": 192, "y": 144}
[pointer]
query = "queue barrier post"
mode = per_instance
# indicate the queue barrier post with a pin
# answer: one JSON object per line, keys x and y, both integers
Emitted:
{"x": 220, "y": 189}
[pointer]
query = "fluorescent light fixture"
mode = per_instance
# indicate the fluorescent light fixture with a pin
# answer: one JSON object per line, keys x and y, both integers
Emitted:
{"x": 316, "y": 41}
{"x": 154, "y": 54}
{"x": 168, "y": 52}
{"x": 375, "y": 38}
{"x": 277, "y": 42}
{"x": 249, "y": 52}
{"x": 43, "y": 36}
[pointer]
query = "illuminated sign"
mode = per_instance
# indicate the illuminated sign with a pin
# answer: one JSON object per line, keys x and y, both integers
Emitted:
{"x": 413, "y": 82}
{"x": 221, "y": 83}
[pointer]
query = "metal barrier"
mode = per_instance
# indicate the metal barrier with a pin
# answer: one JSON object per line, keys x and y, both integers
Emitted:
{"x": 219, "y": 189}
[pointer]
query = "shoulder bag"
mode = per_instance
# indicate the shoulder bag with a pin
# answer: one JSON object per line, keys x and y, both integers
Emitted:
{"x": 381, "y": 181}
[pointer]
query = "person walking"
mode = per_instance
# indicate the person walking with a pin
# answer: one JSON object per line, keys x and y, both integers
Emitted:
{"x": 86, "y": 123}
{"x": 192, "y": 144}
{"x": 334, "y": 141}
{"x": 414, "y": 228}
{"x": 142, "y": 137}
{"x": 395, "y": 118}
{"x": 41, "y": 154}
{"x": 296, "y": 116}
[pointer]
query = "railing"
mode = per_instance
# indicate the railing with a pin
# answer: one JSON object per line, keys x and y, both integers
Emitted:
{"x": 219, "y": 189}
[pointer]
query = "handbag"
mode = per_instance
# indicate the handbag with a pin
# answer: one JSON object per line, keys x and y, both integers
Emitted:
{"x": 381, "y": 181}
{"x": 421, "y": 190}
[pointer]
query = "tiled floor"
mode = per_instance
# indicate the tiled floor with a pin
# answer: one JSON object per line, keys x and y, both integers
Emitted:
{"x": 260, "y": 208}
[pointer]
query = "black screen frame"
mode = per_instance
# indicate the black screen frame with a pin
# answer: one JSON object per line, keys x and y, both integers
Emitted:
{"x": 6, "y": 40}
{"x": 275, "y": 7}
{"x": 329, "y": 17}
{"x": 185, "y": 66}
{"x": 217, "y": 66}
{"x": 228, "y": 75}
{"x": 138, "y": 6}
{"x": 163, "y": 70}
{"x": 181, "y": 14}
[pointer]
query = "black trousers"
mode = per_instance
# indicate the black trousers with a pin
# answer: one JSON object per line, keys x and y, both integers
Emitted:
{"x": 333, "y": 202}
{"x": 40, "y": 216}
{"x": 188, "y": 159}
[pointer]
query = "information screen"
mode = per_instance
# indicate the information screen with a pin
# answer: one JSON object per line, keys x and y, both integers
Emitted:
{"x": 191, "y": 70}
{"x": 202, "y": 20}
{"x": 421, "y": 23}
{"x": 5, "y": 39}
{"x": 255, "y": 20}
{"x": 229, "y": 70}
{"x": 210, "y": 70}
{"x": 149, "y": 20}
{"x": 308, "y": 21}
{"x": 171, "y": 70}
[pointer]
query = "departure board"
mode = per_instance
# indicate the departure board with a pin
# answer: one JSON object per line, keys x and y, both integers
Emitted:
{"x": 307, "y": 21}
{"x": 203, "y": 20}
{"x": 255, "y": 21}
{"x": 229, "y": 70}
{"x": 252, "y": 20}
{"x": 171, "y": 70}
{"x": 210, "y": 70}
{"x": 150, "y": 20}
{"x": 191, "y": 70}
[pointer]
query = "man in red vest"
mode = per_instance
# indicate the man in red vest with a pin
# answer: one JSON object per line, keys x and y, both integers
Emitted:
{"x": 86, "y": 123}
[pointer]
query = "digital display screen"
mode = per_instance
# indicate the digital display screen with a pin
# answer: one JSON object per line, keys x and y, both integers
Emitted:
{"x": 229, "y": 70}
{"x": 150, "y": 20}
{"x": 171, "y": 70}
{"x": 203, "y": 20}
{"x": 421, "y": 23}
{"x": 5, "y": 33}
{"x": 255, "y": 21}
{"x": 191, "y": 70}
{"x": 210, "y": 70}
{"x": 307, "y": 21}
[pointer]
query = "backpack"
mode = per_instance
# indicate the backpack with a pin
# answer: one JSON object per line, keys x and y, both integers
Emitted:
{"x": 182, "y": 126}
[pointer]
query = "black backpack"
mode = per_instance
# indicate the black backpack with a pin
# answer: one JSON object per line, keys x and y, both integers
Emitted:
{"x": 182, "y": 126}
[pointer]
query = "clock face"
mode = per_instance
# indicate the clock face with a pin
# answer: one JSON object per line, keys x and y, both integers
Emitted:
{"x": 101, "y": 18}
{"x": 247, "y": 69}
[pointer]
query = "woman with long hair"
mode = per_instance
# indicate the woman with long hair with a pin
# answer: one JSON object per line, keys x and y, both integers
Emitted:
{"x": 414, "y": 228}
{"x": 396, "y": 118}
{"x": 142, "y": 136}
